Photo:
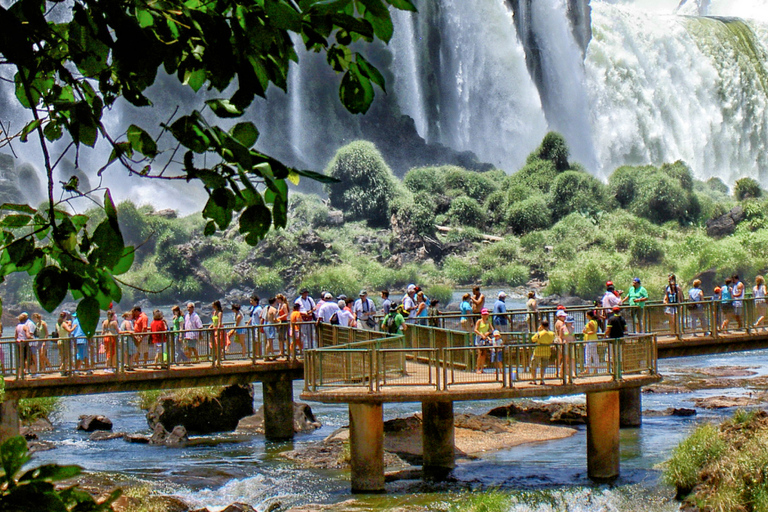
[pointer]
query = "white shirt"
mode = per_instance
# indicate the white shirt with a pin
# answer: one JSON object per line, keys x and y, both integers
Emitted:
{"x": 410, "y": 306}
{"x": 344, "y": 316}
{"x": 610, "y": 300}
{"x": 363, "y": 310}
{"x": 327, "y": 310}
{"x": 305, "y": 305}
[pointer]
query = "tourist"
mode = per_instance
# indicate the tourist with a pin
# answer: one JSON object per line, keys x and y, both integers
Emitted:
{"x": 307, "y": 307}
{"x": 477, "y": 300}
{"x": 433, "y": 313}
{"x": 64, "y": 330}
{"x": 23, "y": 337}
{"x": 466, "y": 310}
{"x": 386, "y": 304}
{"x": 344, "y": 315}
{"x": 421, "y": 308}
{"x": 532, "y": 308}
{"x": 726, "y": 304}
{"x": 590, "y": 336}
{"x": 254, "y": 316}
{"x": 758, "y": 292}
{"x": 296, "y": 331}
{"x": 696, "y": 309}
{"x": 394, "y": 321}
{"x": 46, "y": 345}
{"x": 81, "y": 342}
{"x": 561, "y": 335}
{"x": 110, "y": 331}
{"x": 497, "y": 353}
{"x": 34, "y": 345}
{"x": 672, "y": 297}
{"x": 609, "y": 300}
{"x": 140, "y": 326}
{"x": 283, "y": 316}
{"x": 270, "y": 328}
{"x": 177, "y": 321}
{"x": 500, "y": 320}
{"x": 737, "y": 293}
{"x": 543, "y": 340}
{"x": 482, "y": 339}
{"x": 128, "y": 340}
{"x": 327, "y": 309}
{"x": 616, "y": 326}
{"x": 217, "y": 331}
{"x": 237, "y": 333}
{"x": 159, "y": 329}
{"x": 636, "y": 297}
{"x": 192, "y": 327}
{"x": 364, "y": 310}
{"x": 409, "y": 303}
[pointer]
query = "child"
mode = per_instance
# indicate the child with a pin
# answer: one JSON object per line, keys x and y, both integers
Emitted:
{"x": 126, "y": 331}
{"x": 496, "y": 353}
{"x": 296, "y": 318}
{"x": 236, "y": 335}
{"x": 158, "y": 328}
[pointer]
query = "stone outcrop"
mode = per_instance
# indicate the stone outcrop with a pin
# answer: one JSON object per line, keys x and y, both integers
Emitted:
{"x": 725, "y": 225}
{"x": 560, "y": 413}
{"x": 91, "y": 423}
{"x": 177, "y": 437}
{"x": 204, "y": 416}
{"x": 304, "y": 421}
{"x": 670, "y": 411}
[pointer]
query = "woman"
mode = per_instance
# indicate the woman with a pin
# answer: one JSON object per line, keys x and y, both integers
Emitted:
{"x": 696, "y": 295}
{"x": 433, "y": 313}
{"x": 159, "y": 329}
{"x": 46, "y": 347}
{"x": 177, "y": 321}
{"x": 217, "y": 323}
{"x": 466, "y": 310}
{"x": 110, "y": 331}
{"x": 590, "y": 336}
{"x": 64, "y": 330}
{"x": 421, "y": 308}
{"x": 236, "y": 335}
{"x": 672, "y": 297}
{"x": 483, "y": 332}
{"x": 128, "y": 341}
{"x": 283, "y": 317}
{"x": 23, "y": 336}
{"x": 532, "y": 307}
{"x": 726, "y": 303}
{"x": 758, "y": 292}
{"x": 561, "y": 335}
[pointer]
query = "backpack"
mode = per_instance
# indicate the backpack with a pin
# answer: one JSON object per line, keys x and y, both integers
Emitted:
{"x": 335, "y": 319}
{"x": 390, "y": 325}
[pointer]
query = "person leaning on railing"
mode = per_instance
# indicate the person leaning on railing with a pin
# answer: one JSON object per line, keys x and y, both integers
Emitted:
{"x": 541, "y": 354}
{"x": 192, "y": 326}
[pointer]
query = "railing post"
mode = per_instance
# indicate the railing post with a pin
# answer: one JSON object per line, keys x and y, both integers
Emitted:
{"x": 619, "y": 344}
{"x": 371, "y": 386}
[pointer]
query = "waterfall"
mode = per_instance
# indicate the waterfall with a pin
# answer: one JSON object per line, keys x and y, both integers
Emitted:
{"x": 410, "y": 74}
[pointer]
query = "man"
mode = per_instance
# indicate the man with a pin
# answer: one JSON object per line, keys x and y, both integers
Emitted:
{"x": 737, "y": 293}
{"x": 616, "y": 325}
{"x": 499, "y": 310}
{"x": 270, "y": 321}
{"x": 140, "y": 325}
{"x": 345, "y": 317}
{"x": 192, "y": 324}
{"x": 543, "y": 340}
{"x": 409, "y": 303}
{"x": 364, "y": 310}
{"x": 81, "y": 354}
{"x": 637, "y": 296}
{"x": 255, "y": 314}
{"x": 307, "y": 308}
{"x": 327, "y": 309}
{"x": 386, "y": 304}
{"x": 394, "y": 321}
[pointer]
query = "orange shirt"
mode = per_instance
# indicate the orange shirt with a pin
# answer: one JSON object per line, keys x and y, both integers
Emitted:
{"x": 296, "y": 317}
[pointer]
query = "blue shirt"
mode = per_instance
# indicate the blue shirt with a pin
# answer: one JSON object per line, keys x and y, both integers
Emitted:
{"x": 466, "y": 309}
{"x": 78, "y": 332}
{"x": 499, "y": 308}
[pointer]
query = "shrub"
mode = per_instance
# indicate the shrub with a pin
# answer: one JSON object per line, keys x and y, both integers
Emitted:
{"x": 414, "y": 213}
{"x": 506, "y": 275}
{"x": 537, "y": 174}
{"x": 555, "y": 149}
{"x": 533, "y": 241}
{"x": 32, "y": 409}
{"x": 425, "y": 179}
{"x": 746, "y": 188}
{"x": 367, "y": 184}
{"x": 646, "y": 249}
{"x": 496, "y": 208}
{"x": 623, "y": 183}
{"x": 460, "y": 270}
{"x": 466, "y": 211}
{"x": 691, "y": 456}
{"x": 307, "y": 210}
{"x": 717, "y": 185}
{"x": 528, "y": 215}
{"x": 336, "y": 279}
{"x": 476, "y": 185}
{"x": 681, "y": 172}
{"x": 458, "y": 235}
{"x": 575, "y": 191}
{"x": 267, "y": 280}
{"x": 660, "y": 199}
{"x": 441, "y": 292}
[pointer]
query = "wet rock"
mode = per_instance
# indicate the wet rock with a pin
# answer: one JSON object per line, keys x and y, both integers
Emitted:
{"x": 724, "y": 402}
{"x": 136, "y": 438}
{"x": 40, "y": 425}
{"x": 484, "y": 423}
{"x": 237, "y": 296}
{"x": 204, "y": 416}
{"x": 177, "y": 436}
{"x": 102, "y": 435}
{"x": 725, "y": 224}
{"x": 665, "y": 389}
{"x": 165, "y": 503}
{"x": 159, "y": 435}
{"x": 91, "y": 423}
{"x": 561, "y": 413}
{"x": 40, "y": 446}
{"x": 28, "y": 434}
{"x": 239, "y": 507}
{"x": 333, "y": 453}
{"x": 304, "y": 421}
{"x": 670, "y": 411}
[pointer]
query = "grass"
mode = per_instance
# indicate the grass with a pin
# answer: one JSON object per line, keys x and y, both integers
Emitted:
{"x": 482, "y": 501}
{"x": 184, "y": 396}
{"x": 32, "y": 409}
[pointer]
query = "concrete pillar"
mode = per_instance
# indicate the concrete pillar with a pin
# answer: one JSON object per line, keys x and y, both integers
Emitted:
{"x": 9, "y": 420}
{"x": 437, "y": 439}
{"x": 278, "y": 408}
{"x": 603, "y": 435}
{"x": 630, "y": 407}
{"x": 366, "y": 447}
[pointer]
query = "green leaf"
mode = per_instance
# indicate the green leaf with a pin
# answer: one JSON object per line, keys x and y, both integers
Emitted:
{"x": 125, "y": 262}
{"x": 88, "y": 313}
{"x": 356, "y": 91}
{"x": 379, "y": 16}
{"x": 119, "y": 149}
{"x": 224, "y": 108}
{"x": 403, "y": 5}
{"x": 50, "y": 287}
{"x": 194, "y": 78}
{"x": 369, "y": 70}
{"x": 210, "y": 228}
{"x": 277, "y": 190}
{"x": 142, "y": 141}
{"x": 109, "y": 210}
{"x": 15, "y": 221}
{"x": 144, "y": 17}
{"x": 219, "y": 207}
{"x": 190, "y": 133}
{"x": 256, "y": 219}
{"x": 280, "y": 212}
{"x": 282, "y": 15}
{"x": 13, "y": 454}
{"x": 29, "y": 128}
{"x": 21, "y": 208}
{"x": 339, "y": 57}
{"x": 246, "y": 133}
{"x": 109, "y": 245}
{"x": 51, "y": 473}
{"x": 52, "y": 131}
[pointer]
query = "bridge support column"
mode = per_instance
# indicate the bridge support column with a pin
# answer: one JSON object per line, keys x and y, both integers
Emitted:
{"x": 437, "y": 439}
{"x": 603, "y": 435}
{"x": 9, "y": 420}
{"x": 278, "y": 408}
{"x": 366, "y": 447}
{"x": 630, "y": 407}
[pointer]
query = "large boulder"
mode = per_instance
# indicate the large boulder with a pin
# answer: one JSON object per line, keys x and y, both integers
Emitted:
{"x": 204, "y": 415}
{"x": 93, "y": 422}
{"x": 725, "y": 225}
{"x": 304, "y": 421}
{"x": 177, "y": 437}
{"x": 561, "y": 413}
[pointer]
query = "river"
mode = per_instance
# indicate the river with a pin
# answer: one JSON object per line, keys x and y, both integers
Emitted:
{"x": 542, "y": 476}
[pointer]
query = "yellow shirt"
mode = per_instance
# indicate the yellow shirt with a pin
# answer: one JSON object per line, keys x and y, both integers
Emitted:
{"x": 543, "y": 339}
{"x": 590, "y": 331}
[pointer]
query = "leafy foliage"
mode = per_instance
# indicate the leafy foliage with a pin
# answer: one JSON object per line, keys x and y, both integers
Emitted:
{"x": 75, "y": 61}
{"x": 466, "y": 211}
{"x": 529, "y": 215}
{"x": 555, "y": 149}
{"x": 746, "y": 188}
{"x": 575, "y": 191}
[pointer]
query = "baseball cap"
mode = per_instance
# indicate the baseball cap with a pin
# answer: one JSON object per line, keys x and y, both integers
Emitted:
{"x": 341, "y": 297}
{"x": 717, "y": 289}
{"x": 327, "y": 296}
{"x": 636, "y": 280}
{"x": 303, "y": 290}
{"x": 616, "y": 308}
{"x": 561, "y": 312}
{"x": 496, "y": 333}
{"x": 560, "y": 306}
{"x": 609, "y": 283}
{"x": 484, "y": 311}
{"x": 502, "y": 294}
{"x": 363, "y": 292}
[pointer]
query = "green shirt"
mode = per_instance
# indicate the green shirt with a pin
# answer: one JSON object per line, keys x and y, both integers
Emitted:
{"x": 637, "y": 293}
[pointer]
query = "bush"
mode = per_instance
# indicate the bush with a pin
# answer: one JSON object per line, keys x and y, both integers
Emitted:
{"x": 529, "y": 215}
{"x": 646, "y": 250}
{"x": 495, "y": 208}
{"x": 340, "y": 279}
{"x": 533, "y": 241}
{"x": 537, "y": 174}
{"x": 746, "y": 188}
{"x": 441, "y": 292}
{"x": 425, "y": 179}
{"x": 691, "y": 456}
{"x": 623, "y": 183}
{"x": 307, "y": 210}
{"x": 465, "y": 211}
{"x": 267, "y": 281}
{"x": 32, "y": 409}
{"x": 460, "y": 270}
{"x": 717, "y": 185}
{"x": 414, "y": 213}
{"x": 660, "y": 199}
{"x": 476, "y": 185}
{"x": 367, "y": 184}
{"x": 575, "y": 191}
{"x": 681, "y": 172}
{"x": 506, "y": 275}
{"x": 555, "y": 149}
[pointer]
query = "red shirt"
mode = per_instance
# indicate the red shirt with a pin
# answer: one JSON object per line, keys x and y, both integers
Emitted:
{"x": 158, "y": 326}
{"x": 140, "y": 325}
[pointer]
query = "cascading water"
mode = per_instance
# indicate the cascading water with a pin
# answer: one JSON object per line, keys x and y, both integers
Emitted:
{"x": 408, "y": 80}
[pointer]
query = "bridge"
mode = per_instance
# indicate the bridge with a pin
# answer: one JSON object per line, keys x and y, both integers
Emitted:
{"x": 431, "y": 364}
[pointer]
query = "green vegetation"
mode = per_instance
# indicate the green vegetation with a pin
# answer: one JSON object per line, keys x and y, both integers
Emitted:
{"x": 184, "y": 396}
{"x": 483, "y": 501}
{"x": 32, "y": 409}
{"x": 724, "y": 468}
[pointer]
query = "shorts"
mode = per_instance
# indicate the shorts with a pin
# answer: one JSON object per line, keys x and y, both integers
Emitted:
{"x": 496, "y": 355}
{"x": 738, "y": 310}
{"x": 82, "y": 351}
{"x": 271, "y": 332}
{"x": 190, "y": 343}
{"x": 480, "y": 342}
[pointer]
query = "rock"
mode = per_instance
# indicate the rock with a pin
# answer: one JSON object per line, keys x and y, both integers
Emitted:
{"x": 40, "y": 446}
{"x": 562, "y": 413}
{"x": 159, "y": 435}
{"x": 665, "y": 389}
{"x": 725, "y": 225}
{"x": 304, "y": 421}
{"x": 670, "y": 411}
{"x": 166, "y": 213}
{"x": 724, "y": 402}
{"x": 239, "y": 507}
{"x": 707, "y": 278}
{"x": 90, "y": 423}
{"x": 165, "y": 503}
{"x": 312, "y": 243}
{"x": 237, "y": 296}
{"x": 333, "y": 453}
{"x": 40, "y": 425}
{"x": 102, "y": 435}
{"x": 136, "y": 438}
{"x": 28, "y": 434}
{"x": 335, "y": 217}
{"x": 177, "y": 436}
{"x": 218, "y": 414}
